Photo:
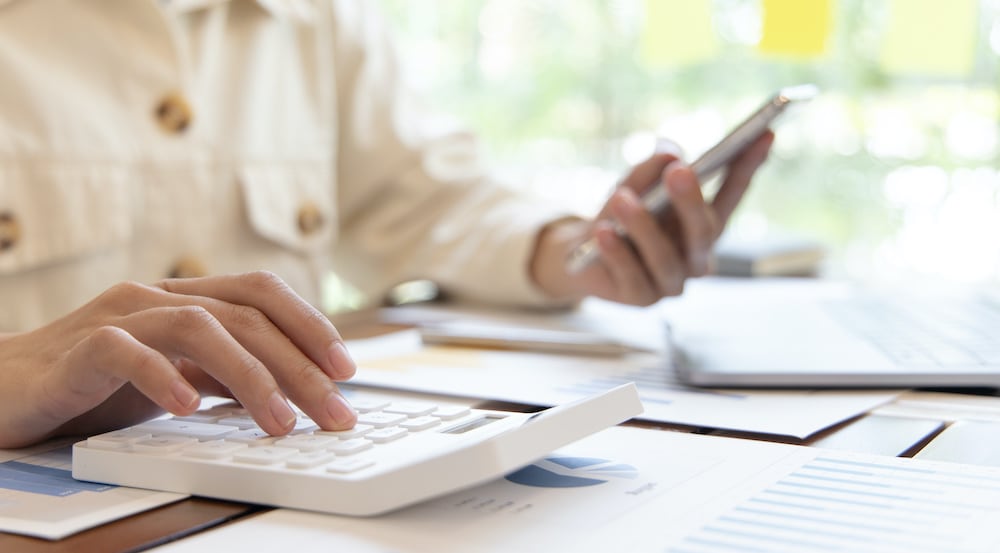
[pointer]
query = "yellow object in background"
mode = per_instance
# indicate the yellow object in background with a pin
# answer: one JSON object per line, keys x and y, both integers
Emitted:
{"x": 678, "y": 32}
{"x": 797, "y": 28}
{"x": 930, "y": 37}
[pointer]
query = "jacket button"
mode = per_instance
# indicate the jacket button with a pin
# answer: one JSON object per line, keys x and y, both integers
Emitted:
{"x": 10, "y": 230}
{"x": 310, "y": 218}
{"x": 188, "y": 267}
{"x": 173, "y": 113}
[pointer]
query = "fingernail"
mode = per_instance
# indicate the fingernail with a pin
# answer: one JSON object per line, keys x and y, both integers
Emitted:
{"x": 183, "y": 393}
{"x": 281, "y": 411}
{"x": 607, "y": 240}
{"x": 680, "y": 180}
{"x": 340, "y": 410}
{"x": 342, "y": 362}
{"x": 623, "y": 205}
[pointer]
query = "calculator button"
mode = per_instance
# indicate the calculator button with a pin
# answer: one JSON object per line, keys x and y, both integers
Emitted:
{"x": 420, "y": 423}
{"x": 344, "y": 466}
{"x": 241, "y": 422}
{"x": 303, "y": 425}
{"x": 411, "y": 409}
{"x": 202, "y": 417}
{"x": 307, "y": 442}
{"x": 350, "y": 447}
{"x": 367, "y": 404}
{"x": 309, "y": 459}
{"x": 381, "y": 420}
{"x": 197, "y": 430}
{"x": 356, "y": 432}
{"x": 264, "y": 455}
{"x": 119, "y": 439}
{"x": 215, "y": 449}
{"x": 383, "y": 435}
{"x": 255, "y": 437}
{"x": 163, "y": 444}
{"x": 450, "y": 412}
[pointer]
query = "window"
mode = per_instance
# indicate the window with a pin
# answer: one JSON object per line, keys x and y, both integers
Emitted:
{"x": 894, "y": 167}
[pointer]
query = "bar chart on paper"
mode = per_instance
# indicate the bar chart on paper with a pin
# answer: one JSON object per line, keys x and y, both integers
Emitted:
{"x": 839, "y": 504}
{"x": 633, "y": 490}
{"x": 571, "y": 472}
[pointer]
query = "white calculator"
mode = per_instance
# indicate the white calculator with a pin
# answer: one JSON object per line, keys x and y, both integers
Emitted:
{"x": 399, "y": 453}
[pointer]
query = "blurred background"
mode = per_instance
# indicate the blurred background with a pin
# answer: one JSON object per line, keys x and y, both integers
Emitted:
{"x": 893, "y": 168}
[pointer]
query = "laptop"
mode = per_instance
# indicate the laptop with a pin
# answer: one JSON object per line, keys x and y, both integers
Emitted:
{"x": 816, "y": 333}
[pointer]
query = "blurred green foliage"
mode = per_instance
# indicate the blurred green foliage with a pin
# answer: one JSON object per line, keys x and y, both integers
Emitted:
{"x": 562, "y": 83}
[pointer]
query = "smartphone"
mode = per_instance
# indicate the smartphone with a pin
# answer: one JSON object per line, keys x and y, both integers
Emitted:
{"x": 717, "y": 157}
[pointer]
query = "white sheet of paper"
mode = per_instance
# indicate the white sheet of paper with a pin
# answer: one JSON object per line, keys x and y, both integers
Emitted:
{"x": 971, "y": 442}
{"x": 630, "y": 489}
{"x": 38, "y": 496}
{"x": 945, "y": 406}
{"x": 399, "y": 360}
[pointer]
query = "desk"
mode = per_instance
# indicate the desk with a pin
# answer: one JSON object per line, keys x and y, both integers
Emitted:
{"x": 187, "y": 517}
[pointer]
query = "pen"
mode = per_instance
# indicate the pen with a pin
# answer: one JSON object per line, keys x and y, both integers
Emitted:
{"x": 522, "y": 339}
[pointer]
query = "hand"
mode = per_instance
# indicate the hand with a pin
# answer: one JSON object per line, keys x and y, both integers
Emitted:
{"x": 136, "y": 350}
{"x": 661, "y": 251}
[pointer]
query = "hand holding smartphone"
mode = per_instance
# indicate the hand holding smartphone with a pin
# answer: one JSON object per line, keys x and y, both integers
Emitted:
{"x": 717, "y": 157}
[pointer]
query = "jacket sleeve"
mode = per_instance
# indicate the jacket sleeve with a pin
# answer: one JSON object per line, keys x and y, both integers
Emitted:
{"x": 413, "y": 204}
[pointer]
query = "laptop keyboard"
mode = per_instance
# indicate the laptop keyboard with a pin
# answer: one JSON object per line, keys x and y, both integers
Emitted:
{"x": 926, "y": 331}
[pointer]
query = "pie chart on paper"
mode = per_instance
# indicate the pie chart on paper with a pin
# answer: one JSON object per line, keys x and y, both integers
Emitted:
{"x": 572, "y": 472}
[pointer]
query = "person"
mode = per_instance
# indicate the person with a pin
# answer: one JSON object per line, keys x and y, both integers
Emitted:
{"x": 176, "y": 177}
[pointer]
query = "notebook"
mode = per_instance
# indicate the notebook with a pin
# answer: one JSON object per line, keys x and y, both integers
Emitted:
{"x": 814, "y": 333}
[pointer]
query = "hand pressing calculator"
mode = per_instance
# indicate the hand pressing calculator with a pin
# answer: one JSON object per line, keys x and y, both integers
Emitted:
{"x": 399, "y": 453}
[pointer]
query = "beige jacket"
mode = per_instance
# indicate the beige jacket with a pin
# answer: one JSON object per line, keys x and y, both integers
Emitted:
{"x": 141, "y": 139}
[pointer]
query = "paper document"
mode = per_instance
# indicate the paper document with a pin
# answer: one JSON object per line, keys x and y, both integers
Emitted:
{"x": 945, "y": 406}
{"x": 974, "y": 442}
{"x": 637, "y": 490}
{"x": 401, "y": 361}
{"x": 881, "y": 435}
{"x": 39, "y": 497}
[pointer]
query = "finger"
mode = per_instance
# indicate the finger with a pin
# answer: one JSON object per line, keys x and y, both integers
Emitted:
{"x": 296, "y": 373}
{"x": 307, "y": 328}
{"x": 630, "y": 280}
{"x": 97, "y": 366}
{"x": 648, "y": 172}
{"x": 739, "y": 174}
{"x": 698, "y": 224}
{"x": 658, "y": 254}
{"x": 304, "y": 382}
{"x": 192, "y": 332}
{"x": 202, "y": 381}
